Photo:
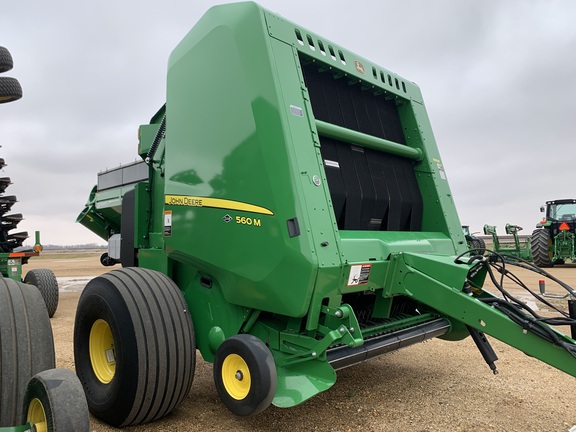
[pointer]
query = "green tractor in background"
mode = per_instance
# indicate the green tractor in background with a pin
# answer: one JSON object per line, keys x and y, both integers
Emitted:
{"x": 553, "y": 240}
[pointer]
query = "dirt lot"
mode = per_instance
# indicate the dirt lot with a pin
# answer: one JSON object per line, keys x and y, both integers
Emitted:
{"x": 435, "y": 386}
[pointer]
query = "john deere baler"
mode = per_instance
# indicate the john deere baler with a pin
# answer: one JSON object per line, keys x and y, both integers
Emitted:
{"x": 291, "y": 216}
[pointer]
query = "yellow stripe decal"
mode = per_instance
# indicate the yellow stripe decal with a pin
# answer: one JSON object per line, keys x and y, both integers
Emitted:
{"x": 194, "y": 201}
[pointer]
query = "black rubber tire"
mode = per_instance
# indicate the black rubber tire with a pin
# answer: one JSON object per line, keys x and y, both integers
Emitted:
{"x": 540, "y": 244}
{"x": 106, "y": 261}
{"x": 481, "y": 245}
{"x": 6, "y": 62}
{"x": 259, "y": 363}
{"x": 10, "y": 90}
{"x": 46, "y": 282}
{"x": 56, "y": 398}
{"x": 477, "y": 244}
{"x": 151, "y": 341}
{"x": 26, "y": 345}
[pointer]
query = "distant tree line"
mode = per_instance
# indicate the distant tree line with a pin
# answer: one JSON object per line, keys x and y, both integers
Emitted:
{"x": 60, "y": 247}
{"x": 80, "y": 246}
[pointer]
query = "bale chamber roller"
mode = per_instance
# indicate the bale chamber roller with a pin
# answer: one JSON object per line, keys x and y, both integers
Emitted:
{"x": 291, "y": 216}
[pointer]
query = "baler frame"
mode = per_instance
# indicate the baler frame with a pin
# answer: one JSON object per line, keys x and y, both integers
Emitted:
{"x": 335, "y": 271}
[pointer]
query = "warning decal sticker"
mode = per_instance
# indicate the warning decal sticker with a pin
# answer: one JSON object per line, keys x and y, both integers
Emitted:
{"x": 440, "y": 168}
{"x": 168, "y": 223}
{"x": 359, "y": 274}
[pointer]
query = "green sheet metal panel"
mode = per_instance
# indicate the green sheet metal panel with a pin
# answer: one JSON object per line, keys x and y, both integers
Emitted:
{"x": 228, "y": 175}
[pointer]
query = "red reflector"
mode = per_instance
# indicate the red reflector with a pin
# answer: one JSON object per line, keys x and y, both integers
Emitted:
{"x": 564, "y": 227}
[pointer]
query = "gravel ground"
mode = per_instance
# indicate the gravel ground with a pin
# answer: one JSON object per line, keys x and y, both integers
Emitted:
{"x": 434, "y": 386}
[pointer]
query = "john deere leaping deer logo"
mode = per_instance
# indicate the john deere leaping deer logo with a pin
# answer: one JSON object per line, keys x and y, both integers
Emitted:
{"x": 359, "y": 67}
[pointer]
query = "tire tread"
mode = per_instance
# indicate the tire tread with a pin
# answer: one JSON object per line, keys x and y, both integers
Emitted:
{"x": 539, "y": 248}
{"x": 164, "y": 339}
{"x": 26, "y": 344}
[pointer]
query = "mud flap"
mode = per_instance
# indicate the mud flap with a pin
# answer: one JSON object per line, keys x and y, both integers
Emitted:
{"x": 299, "y": 382}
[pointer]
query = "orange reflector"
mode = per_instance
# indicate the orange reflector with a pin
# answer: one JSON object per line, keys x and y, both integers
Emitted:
{"x": 564, "y": 227}
{"x": 38, "y": 248}
{"x": 543, "y": 221}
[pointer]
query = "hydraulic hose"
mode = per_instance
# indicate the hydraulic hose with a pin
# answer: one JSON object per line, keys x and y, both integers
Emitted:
{"x": 159, "y": 136}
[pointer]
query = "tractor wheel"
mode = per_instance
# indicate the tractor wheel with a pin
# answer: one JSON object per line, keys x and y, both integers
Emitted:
{"x": 46, "y": 282}
{"x": 55, "y": 401}
{"x": 478, "y": 245}
{"x": 134, "y": 346}
{"x": 26, "y": 345}
{"x": 245, "y": 375}
{"x": 10, "y": 90}
{"x": 540, "y": 245}
{"x": 6, "y": 62}
{"x": 481, "y": 245}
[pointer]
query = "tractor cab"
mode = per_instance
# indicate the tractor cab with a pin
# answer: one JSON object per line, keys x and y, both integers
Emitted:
{"x": 560, "y": 211}
{"x": 553, "y": 240}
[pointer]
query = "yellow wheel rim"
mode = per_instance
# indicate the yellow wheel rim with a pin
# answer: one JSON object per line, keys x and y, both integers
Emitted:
{"x": 102, "y": 354}
{"x": 37, "y": 416}
{"x": 236, "y": 376}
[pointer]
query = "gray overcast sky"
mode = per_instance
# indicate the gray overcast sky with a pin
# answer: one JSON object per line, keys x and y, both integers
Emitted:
{"x": 497, "y": 78}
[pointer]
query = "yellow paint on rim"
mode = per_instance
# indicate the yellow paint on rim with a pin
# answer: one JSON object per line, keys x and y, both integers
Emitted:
{"x": 37, "y": 416}
{"x": 102, "y": 354}
{"x": 236, "y": 376}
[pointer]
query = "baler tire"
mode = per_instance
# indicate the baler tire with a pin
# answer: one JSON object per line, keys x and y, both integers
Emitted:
{"x": 245, "y": 375}
{"x": 45, "y": 281}
{"x": 106, "y": 261}
{"x": 10, "y": 90}
{"x": 26, "y": 345}
{"x": 540, "y": 244}
{"x": 55, "y": 401}
{"x": 134, "y": 346}
{"x": 6, "y": 62}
